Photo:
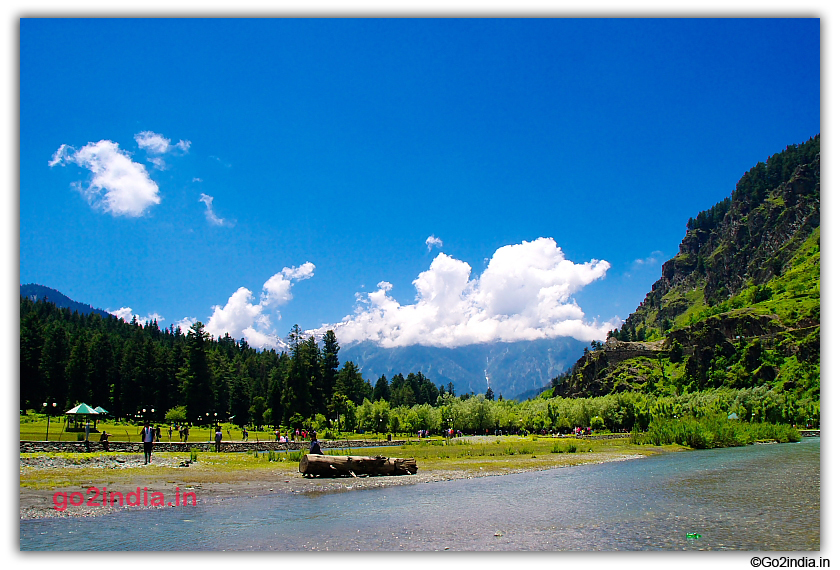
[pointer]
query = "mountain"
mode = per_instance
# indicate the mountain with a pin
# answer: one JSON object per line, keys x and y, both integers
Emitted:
{"x": 738, "y": 307}
{"x": 40, "y": 292}
{"x": 514, "y": 370}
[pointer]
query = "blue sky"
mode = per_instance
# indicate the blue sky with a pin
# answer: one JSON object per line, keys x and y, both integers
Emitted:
{"x": 427, "y": 181}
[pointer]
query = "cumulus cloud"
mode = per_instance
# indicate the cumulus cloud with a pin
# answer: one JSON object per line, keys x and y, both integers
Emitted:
{"x": 523, "y": 294}
{"x": 241, "y": 317}
{"x": 118, "y": 185}
{"x": 433, "y": 241}
{"x": 126, "y": 314}
{"x": 185, "y": 324}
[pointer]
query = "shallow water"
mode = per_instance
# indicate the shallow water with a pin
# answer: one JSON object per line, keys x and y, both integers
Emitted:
{"x": 761, "y": 497}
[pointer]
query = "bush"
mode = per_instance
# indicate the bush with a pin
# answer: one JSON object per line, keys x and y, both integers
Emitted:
{"x": 712, "y": 431}
{"x": 178, "y": 414}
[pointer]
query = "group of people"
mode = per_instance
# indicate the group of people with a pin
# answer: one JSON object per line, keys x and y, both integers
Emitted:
{"x": 149, "y": 435}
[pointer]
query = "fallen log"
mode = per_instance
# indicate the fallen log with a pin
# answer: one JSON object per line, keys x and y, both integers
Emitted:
{"x": 353, "y": 466}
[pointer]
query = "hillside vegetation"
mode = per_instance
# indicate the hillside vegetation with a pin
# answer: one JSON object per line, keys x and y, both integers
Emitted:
{"x": 738, "y": 308}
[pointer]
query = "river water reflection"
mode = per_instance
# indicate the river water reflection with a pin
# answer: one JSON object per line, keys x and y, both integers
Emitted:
{"x": 761, "y": 497}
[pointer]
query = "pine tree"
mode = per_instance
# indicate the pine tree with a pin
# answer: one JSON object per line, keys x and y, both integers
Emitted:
{"x": 329, "y": 366}
{"x": 102, "y": 370}
{"x": 194, "y": 376}
{"x": 78, "y": 380}
{"x": 239, "y": 401}
{"x": 382, "y": 391}
{"x": 297, "y": 395}
{"x": 32, "y": 388}
{"x": 54, "y": 356}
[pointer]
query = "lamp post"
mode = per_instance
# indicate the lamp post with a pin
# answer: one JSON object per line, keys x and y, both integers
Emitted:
{"x": 48, "y": 421}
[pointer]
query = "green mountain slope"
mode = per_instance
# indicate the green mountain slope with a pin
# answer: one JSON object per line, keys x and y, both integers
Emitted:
{"x": 738, "y": 307}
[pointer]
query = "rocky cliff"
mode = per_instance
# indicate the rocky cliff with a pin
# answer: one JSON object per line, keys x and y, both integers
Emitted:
{"x": 738, "y": 306}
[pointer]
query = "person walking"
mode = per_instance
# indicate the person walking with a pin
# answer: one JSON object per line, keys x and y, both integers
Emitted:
{"x": 218, "y": 439}
{"x": 147, "y": 436}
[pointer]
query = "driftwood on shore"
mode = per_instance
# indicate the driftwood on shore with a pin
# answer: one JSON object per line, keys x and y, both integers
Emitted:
{"x": 353, "y": 466}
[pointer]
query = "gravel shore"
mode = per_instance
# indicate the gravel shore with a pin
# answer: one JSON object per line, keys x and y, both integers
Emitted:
{"x": 168, "y": 476}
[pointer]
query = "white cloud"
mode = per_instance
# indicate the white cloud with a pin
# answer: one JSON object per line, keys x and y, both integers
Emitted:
{"x": 185, "y": 324}
{"x": 305, "y": 271}
{"x": 523, "y": 294}
{"x": 654, "y": 258}
{"x": 126, "y": 314}
{"x": 433, "y": 241}
{"x": 209, "y": 213}
{"x": 158, "y": 163}
{"x": 152, "y": 142}
{"x": 277, "y": 290}
{"x": 155, "y": 143}
{"x": 241, "y": 317}
{"x": 118, "y": 185}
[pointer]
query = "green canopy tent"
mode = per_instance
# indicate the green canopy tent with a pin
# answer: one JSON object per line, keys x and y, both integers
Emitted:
{"x": 101, "y": 411}
{"x": 82, "y": 411}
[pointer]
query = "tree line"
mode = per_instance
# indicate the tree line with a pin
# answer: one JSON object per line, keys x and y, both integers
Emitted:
{"x": 67, "y": 358}
{"x": 754, "y": 186}
{"x": 136, "y": 370}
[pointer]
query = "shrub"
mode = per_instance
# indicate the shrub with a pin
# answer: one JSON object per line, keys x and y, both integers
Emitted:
{"x": 712, "y": 431}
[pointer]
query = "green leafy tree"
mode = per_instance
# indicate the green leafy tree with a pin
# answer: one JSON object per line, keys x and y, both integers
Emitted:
{"x": 178, "y": 414}
{"x": 257, "y": 411}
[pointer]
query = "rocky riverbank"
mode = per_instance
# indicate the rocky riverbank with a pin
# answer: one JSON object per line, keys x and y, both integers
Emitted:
{"x": 212, "y": 481}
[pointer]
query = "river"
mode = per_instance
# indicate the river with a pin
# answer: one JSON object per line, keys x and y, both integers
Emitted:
{"x": 759, "y": 497}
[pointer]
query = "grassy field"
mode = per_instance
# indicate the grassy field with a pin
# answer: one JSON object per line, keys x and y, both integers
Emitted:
{"x": 468, "y": 455}
{"x": 33, "y": 427}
